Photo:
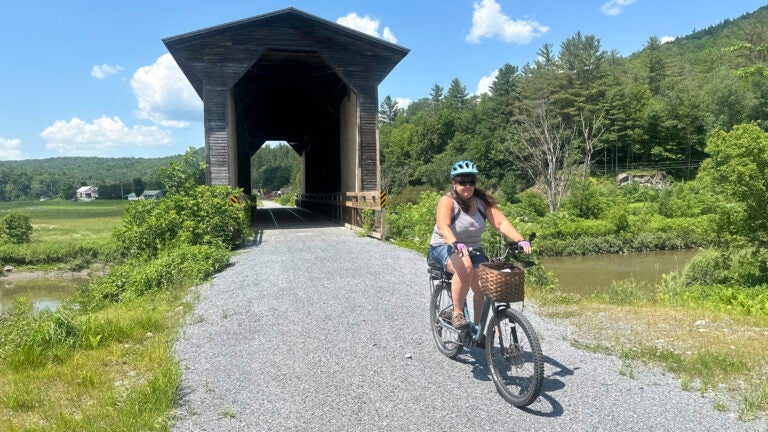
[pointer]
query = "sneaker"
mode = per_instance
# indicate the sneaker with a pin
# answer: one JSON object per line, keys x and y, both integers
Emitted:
{"x": 458, "y": 320}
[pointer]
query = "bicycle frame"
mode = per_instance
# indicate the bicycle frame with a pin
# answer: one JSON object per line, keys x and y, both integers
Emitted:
{"x": 475, "y": 330}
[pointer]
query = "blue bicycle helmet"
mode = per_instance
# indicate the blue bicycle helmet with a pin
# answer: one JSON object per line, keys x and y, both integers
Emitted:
{"x": 463, "y": 167}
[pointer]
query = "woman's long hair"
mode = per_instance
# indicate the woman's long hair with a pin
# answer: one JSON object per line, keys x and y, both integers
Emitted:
{"x": 466, "y": 204}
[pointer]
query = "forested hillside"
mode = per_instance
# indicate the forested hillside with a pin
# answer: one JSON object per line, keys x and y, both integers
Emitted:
{"x": 581, "y": 109}
{"x": 60, "y": 177}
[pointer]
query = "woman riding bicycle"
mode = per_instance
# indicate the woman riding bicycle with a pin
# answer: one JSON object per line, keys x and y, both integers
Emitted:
{"x": 459, "y": 223}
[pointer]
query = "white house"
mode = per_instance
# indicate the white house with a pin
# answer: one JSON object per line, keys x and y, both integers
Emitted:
{"x": 88, "y": 192}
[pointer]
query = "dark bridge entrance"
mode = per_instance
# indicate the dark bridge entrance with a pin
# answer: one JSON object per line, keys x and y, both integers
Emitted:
{"x": 291, "y": 76}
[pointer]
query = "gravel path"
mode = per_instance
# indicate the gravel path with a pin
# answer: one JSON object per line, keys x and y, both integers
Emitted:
{"x": 322, "y": 330}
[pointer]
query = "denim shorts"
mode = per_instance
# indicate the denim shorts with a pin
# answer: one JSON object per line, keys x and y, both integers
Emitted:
{"x": 438, "y": 256}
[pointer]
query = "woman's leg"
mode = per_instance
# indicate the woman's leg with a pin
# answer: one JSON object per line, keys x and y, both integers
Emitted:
{"x": 460, "y": 283}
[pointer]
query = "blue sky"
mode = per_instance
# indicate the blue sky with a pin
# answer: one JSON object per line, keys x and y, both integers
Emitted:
{"x": 93, "y": 78}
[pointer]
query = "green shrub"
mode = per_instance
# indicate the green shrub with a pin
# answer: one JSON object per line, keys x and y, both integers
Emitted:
{"x": 203, "y": 216}
{"x": 16, "y": 227}
{"x": 740, "y": 266}
{"x": 288, "y": 200}
{"x": 409, "y": 195}
{"x": 584, "y": 199}
{"x": 186, "y": 265}
{"x": 748, "y": 266}
{"x": 618, "y": 219}
{"x": 411, "y": 225}
{"x": 534, "y": 203}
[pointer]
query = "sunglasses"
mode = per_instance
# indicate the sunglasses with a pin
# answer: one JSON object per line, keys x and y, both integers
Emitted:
{"x": 466, "y": 182}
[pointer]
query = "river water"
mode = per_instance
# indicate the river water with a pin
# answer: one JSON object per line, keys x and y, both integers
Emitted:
{"x": 44, "y": 293}
{"x": 587, "y": 275}
{"x": 583, "y": 275}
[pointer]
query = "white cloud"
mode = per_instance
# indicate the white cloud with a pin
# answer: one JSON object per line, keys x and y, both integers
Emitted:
{"x": 102, "y": 137}
{"x": 489, "y": 22}
{"x": 665, "y": 39}
{"x": 614, "y": 7}
{"x": 9, "y": 149}
{"x": 484, "y": 85}
{"x": 367, "y": 25}
{"x": 164, "y": 94}
{"x": 403, "y": 103}
{"x": 105, "y": 70}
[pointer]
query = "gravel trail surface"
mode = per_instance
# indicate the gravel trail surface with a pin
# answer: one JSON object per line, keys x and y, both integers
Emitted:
{"x": 322, "y": 330}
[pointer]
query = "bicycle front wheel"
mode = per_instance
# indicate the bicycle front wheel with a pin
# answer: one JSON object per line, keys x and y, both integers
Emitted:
{"x": 514, "y": 357}
{"x": 440, "y": 315}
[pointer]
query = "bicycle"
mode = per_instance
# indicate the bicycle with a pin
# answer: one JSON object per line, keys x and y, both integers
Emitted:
{"x": 512, "y": 347}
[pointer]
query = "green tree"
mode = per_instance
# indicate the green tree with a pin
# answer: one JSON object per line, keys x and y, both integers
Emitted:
{"x": 138, "y": 185}
{"x": 183, "y": 175}
{"x": 435, "y": 97}
{"x": 737, "y": 170}
{"x": 457, "y": 95}
{"x": 656, "y": 64}
{"x": 16, "y": 227}
{"x": 389, "y": 110}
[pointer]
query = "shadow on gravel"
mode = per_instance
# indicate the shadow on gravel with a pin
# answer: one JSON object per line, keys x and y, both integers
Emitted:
{"x": 546, "y": 405}
{"x": 289, "y": 218}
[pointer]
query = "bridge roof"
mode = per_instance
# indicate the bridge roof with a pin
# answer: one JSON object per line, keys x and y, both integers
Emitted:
{"x": 358, "y": 58}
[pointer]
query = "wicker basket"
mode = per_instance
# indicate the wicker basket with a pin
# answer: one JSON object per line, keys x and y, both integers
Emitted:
{"x": 502, "y": 282}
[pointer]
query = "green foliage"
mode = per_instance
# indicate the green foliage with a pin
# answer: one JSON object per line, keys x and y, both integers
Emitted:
{"x": 737, "y": 170}
{"x": 288, "y": 199}
{"x": 618, "y": 219}
{"x": 410, "y": 195}
{"x": 411, "y": 225}
{"x": 203, "y": 216}
{"x": 182, "y": 266}
{"x": 534, "y": 203}
{"x": 16, "y": 228}
{"x": 739, "y": 266}
{"x": 584, "y": 199}
{"x": 369, "y": 221}
{"x": 183, "y": 175}
{"x": 275, "y": 167}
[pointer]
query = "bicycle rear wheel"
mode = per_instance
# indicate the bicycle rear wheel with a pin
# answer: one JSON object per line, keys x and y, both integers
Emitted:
{"x": 514, "y": 357}
{"x": 440, "y": 315}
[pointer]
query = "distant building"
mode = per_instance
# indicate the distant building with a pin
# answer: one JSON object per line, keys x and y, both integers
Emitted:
{"x": 131, "y": 197}
{"x": 152, "y": 194}
{"x": 88, "y": 193}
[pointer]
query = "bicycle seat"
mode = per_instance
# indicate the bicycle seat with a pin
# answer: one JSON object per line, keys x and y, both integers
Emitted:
{"x": 437, "y": 272}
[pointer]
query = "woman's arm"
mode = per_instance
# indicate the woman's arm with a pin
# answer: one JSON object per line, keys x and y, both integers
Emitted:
{"x": 500, "y": 222}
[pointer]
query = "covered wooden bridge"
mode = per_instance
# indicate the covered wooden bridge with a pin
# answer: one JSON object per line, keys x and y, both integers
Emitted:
{"x": 291, "y": 76}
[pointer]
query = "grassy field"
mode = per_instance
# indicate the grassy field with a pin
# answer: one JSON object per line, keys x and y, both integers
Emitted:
{"x": 65, "y": 234}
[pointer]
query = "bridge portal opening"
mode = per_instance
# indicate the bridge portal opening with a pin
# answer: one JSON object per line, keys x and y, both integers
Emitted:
{"x": 294, "y": 96}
